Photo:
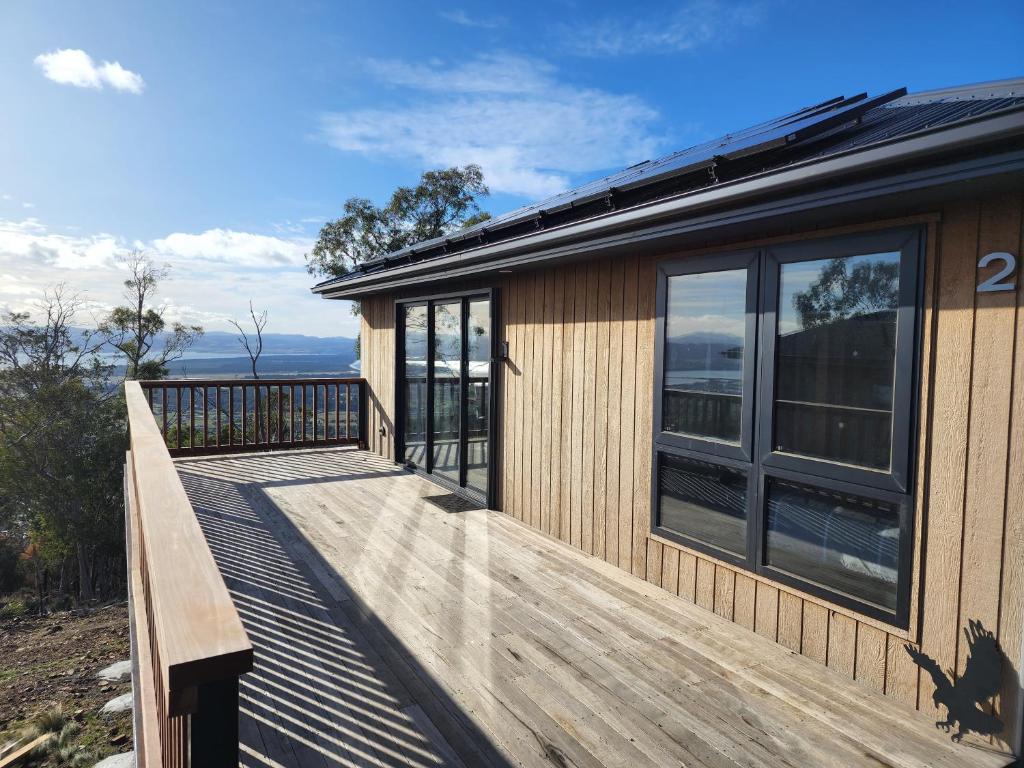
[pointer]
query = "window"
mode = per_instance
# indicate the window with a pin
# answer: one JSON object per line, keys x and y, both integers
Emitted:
{"x": 785, "y": 412}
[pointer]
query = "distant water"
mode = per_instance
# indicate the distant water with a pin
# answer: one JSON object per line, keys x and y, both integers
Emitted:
{"x": 200, "y": 365}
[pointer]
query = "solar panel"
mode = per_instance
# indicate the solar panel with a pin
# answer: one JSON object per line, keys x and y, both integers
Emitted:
{"x": 780, "y": 131}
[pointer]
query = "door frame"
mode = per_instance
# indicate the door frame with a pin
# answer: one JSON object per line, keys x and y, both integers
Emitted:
{"x": 491, "y": 294}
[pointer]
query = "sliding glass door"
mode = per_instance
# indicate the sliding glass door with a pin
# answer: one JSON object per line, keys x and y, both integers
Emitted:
{"x": 478, "y": 394}
{"x": 446, "y": 403}
{"x": 446, "y": 383}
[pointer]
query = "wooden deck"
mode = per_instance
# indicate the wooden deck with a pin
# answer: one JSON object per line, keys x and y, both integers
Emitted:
{"x": 394, "y": 627}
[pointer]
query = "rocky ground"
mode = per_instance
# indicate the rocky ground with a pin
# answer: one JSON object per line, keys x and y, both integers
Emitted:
{"x": 52, "y": 661}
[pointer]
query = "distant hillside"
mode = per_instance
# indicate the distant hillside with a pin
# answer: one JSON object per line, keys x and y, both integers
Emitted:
{"x": 707, "y": 350}
{"x": 269, "y": 366}
{"x": 285, "y": 355}
{"x": 227, "y": 344}
{"x": 220, "y": 342}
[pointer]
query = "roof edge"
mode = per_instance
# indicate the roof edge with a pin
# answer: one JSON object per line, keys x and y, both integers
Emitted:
{"x": 990, "y": 127}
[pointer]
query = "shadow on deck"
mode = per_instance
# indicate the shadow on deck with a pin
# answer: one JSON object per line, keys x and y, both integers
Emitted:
{"x": 323, "y": 691}
{"x": 389, "y": 631}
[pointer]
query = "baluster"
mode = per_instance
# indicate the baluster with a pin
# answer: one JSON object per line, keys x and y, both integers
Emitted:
{"x": 256, "y": 413}
{"x": 191, "y": 415}
{"x": 177, "y": 415}
{"x": 216, "y": 405}
{"x": 302, "y": 406}
{"x": 163, "y": 409}
{"x": 280, "y": 412}
{"x": 348, "y": 411}
{"x": 315, "y": 388}
{"x": 291, "y": 413}
{"x": 337, "y": 410}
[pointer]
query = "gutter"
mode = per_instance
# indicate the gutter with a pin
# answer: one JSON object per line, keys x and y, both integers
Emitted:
{"x": 580, "y": 236}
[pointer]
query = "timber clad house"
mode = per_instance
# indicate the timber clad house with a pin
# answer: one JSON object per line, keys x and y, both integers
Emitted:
{"x": 717, "y": 460}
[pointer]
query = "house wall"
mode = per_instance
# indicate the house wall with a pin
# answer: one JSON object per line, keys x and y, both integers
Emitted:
{"x": 575, "y": 448}
{"x": 377, "y": 366}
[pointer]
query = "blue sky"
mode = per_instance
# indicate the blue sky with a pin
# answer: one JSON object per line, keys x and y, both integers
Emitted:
{"x": 219, "y": 136}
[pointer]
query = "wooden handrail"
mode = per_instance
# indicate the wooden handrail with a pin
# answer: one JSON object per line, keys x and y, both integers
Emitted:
{"x": 181, "y": 608}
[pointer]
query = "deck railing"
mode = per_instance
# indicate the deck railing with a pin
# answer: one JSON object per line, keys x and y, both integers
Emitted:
{"x": 200, "y": 416}
{"x": 188, "y": 643}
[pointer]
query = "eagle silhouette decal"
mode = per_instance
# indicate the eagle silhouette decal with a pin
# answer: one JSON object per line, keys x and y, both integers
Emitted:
{"x": 963, "y": 698}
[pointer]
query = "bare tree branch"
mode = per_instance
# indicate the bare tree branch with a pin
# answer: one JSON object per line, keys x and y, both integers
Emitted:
{"x": 254, "y": 349}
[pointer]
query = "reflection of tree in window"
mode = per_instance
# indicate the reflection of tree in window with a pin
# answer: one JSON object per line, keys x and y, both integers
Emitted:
{"x": 836, "y": 358}
{"x": 446, "y": 333}
{"x": 840, "y": 293}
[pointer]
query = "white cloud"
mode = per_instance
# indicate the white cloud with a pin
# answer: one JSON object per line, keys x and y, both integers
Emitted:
{"x": 213, "y": 276}
{"x": 28, "y": 205}
{"x": 528, "y": 130}
{"x": 495, "y": 73}
{"x": 463, "y": 19}
{"x": 121, "y": 79}
{"x": 72, "y": 66}
{"x": 242, "y": 249}
{"x": 690, "y": 26}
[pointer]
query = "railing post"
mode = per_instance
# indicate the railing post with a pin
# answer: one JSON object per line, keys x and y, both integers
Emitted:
{"x": 214, "y": 726}
{"x": 363, "y": 442}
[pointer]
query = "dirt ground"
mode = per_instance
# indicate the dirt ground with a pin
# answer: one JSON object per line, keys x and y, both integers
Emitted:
{"x": 54, "y": 659}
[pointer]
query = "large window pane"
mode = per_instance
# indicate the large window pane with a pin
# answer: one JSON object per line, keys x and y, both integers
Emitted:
{"x": 835, "y": 363}
{"x": 478, "y": 344}
{"x": 704, "y": 336}
{"x": 447, "y": 388}
{"x": 416, "y": 384}
{"x": 842, "y": 541}
{"x": 703, "y": 500}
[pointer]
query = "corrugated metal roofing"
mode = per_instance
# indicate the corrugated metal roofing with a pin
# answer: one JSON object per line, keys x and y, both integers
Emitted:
{"x": 831, "y": 127}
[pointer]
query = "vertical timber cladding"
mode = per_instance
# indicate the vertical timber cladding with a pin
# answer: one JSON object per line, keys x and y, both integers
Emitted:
{"x": 576, "y": 439}
{"x": 377, "y": 367}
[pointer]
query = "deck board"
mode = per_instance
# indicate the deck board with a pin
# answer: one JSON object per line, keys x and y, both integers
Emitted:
{"x": 391, "y": 632}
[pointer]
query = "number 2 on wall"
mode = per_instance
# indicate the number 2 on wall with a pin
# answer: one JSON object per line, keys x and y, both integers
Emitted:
{"x": 995, "y": 283}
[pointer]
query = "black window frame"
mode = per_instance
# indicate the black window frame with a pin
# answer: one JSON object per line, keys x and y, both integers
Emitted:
{"x": 460, "y": 487}
{"x": 755, "y": 452}
{"x": 906, "y": 243}
{"x": 737, "y": 456}
{"x": 745, "y": 260}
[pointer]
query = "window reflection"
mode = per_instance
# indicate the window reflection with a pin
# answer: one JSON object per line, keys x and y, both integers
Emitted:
{"x": 836, "y": 353}
{"x": 704, "y": 339}
{"x": 704, "y": 501}
{"x": 842, "y": 541}
{"x": 447, "y": 388}
{"x": 477, "y": 395}
{"x": 416, "y": 384}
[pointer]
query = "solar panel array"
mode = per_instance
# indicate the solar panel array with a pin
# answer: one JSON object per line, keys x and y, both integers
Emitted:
{"x": 780, "y": 131}
{"x": 806, "y": 133}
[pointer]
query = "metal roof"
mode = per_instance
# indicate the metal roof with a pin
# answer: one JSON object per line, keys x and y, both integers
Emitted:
{"x": 832, "y": 127}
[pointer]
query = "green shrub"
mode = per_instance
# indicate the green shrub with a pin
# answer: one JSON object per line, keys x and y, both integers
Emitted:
{"x": 13, "y": 608}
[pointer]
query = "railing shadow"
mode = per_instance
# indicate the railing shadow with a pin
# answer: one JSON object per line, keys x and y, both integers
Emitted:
{"x": 331, "y": 684}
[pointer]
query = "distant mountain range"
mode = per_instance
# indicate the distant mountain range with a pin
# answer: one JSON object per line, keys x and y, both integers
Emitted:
{"x": 227, "y": 344}
{"x": 285, "y": 355}
{"x": 221, "y": 342}
{"x": 704, "y": 351}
